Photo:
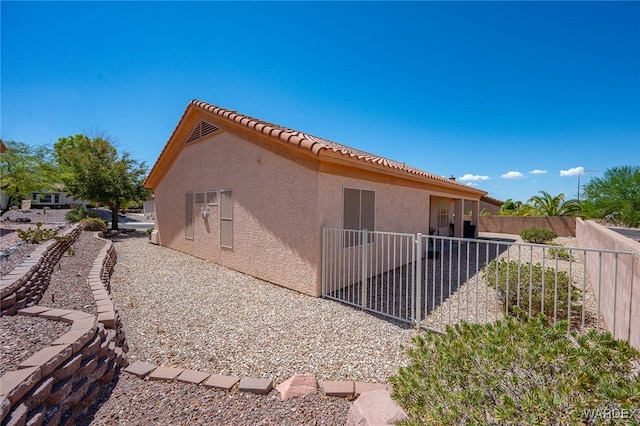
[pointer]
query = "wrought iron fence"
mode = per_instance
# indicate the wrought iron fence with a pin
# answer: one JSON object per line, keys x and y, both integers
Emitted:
{"x": 433, "y": 281}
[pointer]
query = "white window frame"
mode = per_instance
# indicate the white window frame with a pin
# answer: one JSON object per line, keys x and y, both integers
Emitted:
{"x": 216, "y": 197}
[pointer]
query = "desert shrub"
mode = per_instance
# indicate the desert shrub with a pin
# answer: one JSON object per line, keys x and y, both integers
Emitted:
{"x": 93, "y": 224}
{"x": 79, "y": 213}
{"x": 148, "y": 232}
{"x": 516, "y": 371}
{"x": 560, "y": 253}
{"x": 549, "y": 288}
{"x": 537, "y": 235}
{"x": 38, "y": 235}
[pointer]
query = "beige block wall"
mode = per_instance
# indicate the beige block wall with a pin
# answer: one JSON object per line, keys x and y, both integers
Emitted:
{"x": 563, "y": 226}
{"x": 275, "y": 230}
{"x": 620, "y": 298}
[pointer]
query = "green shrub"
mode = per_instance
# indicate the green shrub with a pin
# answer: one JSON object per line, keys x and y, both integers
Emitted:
{"x": 148, "y": 232}
{"x": 516, "y": 371}
{"x": 79, "y": 213}
{"x": 36, "y": 236}
{"x": 554, "y": 296}
{"x": 76, "y": 215}
{"x": 93, "y": 224}
{"x": 537, "y": 235}
{"x": 560, "y": 253}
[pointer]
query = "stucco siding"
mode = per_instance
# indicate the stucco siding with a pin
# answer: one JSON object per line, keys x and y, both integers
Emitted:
{"x": 274, "y": 210}
{"x": 398, "y": 208}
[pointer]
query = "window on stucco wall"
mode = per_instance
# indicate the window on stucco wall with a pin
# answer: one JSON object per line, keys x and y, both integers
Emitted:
{"x": 188, "y": 215}
{"x": 226, "y": 219}
{"x": 358, "y": 213}
{"x": 212, "y": 198}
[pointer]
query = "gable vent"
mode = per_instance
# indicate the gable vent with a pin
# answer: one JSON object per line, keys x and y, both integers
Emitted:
{"x": 202, "y": 129}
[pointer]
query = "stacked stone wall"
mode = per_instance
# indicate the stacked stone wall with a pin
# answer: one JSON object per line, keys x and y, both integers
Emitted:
{"x": 59, "y": 383}
{"x": 25, "y": 285}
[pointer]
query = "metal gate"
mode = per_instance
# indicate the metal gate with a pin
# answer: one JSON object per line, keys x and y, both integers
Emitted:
{"x": 433, "y": 281}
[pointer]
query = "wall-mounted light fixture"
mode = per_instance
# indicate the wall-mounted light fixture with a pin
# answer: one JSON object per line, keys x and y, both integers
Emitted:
{"x": 205, "y": 212}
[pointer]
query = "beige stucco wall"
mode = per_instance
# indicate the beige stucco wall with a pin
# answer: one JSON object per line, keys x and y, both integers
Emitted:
{"x": 282, "y": 199}
{"x": 620, "y": 288}
{"x": 398, "y": 209}
{"x": 275, "y": 201}
{"x": 563, "y": 226}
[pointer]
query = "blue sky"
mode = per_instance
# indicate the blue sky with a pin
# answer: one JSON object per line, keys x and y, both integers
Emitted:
{"x": 511, "y": 97}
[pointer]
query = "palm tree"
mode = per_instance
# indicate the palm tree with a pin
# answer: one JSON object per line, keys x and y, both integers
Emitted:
{"x": 548, "y": 205}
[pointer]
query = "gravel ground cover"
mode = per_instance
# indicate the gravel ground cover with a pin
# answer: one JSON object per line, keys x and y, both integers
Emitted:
{"x": 68, "y": 287}
{"x": 20, "y": 337}
{"x": 186, "y": 312}
{"x": 10, "y": 243}
{"x": 141, "y": 402}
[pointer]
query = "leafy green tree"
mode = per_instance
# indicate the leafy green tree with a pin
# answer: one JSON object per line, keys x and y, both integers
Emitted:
{"x": 24, "y": 169}
{"x": 616, "y": 195}
{"x": 91, "y": 169}
{"x": 515, "y": 208}
{"x": 548, "y": 205}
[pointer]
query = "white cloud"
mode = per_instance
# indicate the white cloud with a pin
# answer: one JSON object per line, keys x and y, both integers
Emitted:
{"x": 513, "y": 175}
{"x": 538, "y": 172}
{"x": 472, "y": 184}
{"x": 470, "y": 177}
{"x": 576, "y": 171}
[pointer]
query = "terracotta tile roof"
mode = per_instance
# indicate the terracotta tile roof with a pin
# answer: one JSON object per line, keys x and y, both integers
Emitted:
{"x": 492, "y": 200}
{"x": 312, "y": 143}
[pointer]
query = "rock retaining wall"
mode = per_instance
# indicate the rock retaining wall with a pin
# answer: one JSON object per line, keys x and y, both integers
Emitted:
{"x": 25, "y": 285}
{"x": 59, "y": 383}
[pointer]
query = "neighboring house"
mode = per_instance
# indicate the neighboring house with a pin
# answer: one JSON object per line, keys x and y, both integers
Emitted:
{"x": 54, "y": 199}
{"x": 254, "y": 196}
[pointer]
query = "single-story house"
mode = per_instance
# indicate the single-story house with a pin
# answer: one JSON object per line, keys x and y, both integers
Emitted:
{"x": 254, "y": 196}
{"x": 54, "y": 199}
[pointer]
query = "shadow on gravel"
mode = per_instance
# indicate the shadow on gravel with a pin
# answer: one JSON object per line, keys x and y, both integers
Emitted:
{"x": 105, "y": 393}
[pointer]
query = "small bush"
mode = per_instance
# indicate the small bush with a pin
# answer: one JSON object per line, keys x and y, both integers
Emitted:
{"x": 516, "y": 371}
{"x": 549, "y": 289}
{"x": 148, "y": 232}
{"x": 93, "y": 224}
{"x": 537, "y": 235}
{"x": 560, "y": 253}
{"x": 38, "y": 235}
{"x": 79, "y": 213}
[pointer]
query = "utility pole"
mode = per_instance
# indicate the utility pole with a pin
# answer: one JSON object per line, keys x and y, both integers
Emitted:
{"x": 583, "y": 172}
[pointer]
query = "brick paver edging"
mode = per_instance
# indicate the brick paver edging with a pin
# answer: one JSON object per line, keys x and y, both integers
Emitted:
{"x": 147, "y": 371}
{"x": 64, "y": 379}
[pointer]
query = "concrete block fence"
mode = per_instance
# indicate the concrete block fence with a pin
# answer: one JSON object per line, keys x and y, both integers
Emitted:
{"x": 60, "y": 382}
{"x": 25, "y": 285}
